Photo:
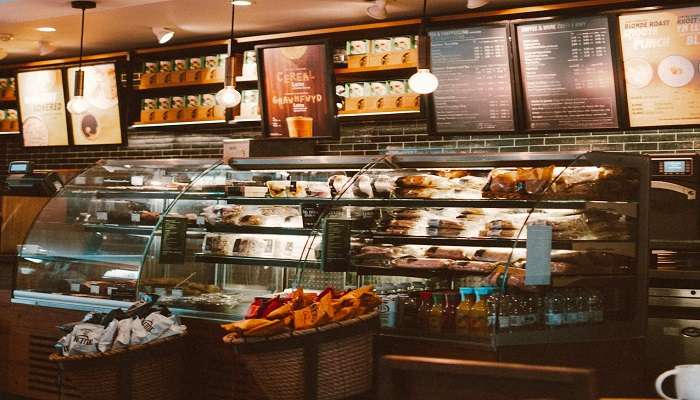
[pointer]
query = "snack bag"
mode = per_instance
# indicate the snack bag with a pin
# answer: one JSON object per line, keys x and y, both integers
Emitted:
{"x": 175, "y": 329}
{"x": 281, "y": 312}
{"x": 123, "y": 334}
{"x": 150, "y": 328}
{"x": 63, "y": 345}
{"x": 85, "y": 338}
{"x": 105, "y": 343}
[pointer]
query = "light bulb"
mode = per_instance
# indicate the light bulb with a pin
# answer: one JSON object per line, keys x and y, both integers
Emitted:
{"x": 163, "y": 34}
{"x": 228, "y": 97}
{"x": 423, "y": 81}
{"x": 77, "y": 105}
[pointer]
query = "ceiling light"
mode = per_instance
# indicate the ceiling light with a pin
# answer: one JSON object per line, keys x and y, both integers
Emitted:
{"x": 378, "y": 10}
{"x": 163, "y": 34}
{"x": 78, "y": 105}
{"x": 228, "y": 96}
{"x": 471, "y": 4}
{"x": 241, "y": 2}
{"x": 423, "y": 81}
{"x": 3, "y": 53}
{"x": 46, "y": 48}
{"x": 46, "y": 29}
{"x": 6, "y": 37}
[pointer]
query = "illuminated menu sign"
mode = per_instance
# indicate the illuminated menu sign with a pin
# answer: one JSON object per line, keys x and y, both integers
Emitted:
{"x": 298, "y": 94}
{"x": 43, "y": 108}
{"x": 661, "y": 53}
{"x": 567, "y": 74}
{"x": 473, "y": 68}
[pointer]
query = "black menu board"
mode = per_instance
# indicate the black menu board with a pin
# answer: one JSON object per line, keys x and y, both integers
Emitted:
{"x": 567, "y": 74}
{"x": 473, "y": 68}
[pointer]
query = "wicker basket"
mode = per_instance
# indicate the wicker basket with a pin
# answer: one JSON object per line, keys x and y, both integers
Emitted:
{"x": 151, "y": 371}
{"x": 332, "y": 362}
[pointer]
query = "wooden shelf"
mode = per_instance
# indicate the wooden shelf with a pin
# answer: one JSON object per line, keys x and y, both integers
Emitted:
{"x": 378, "y": 114}
{"x": 9, "y": 133}
{"x": 246, "y": 79}
{"x": 8, "y": 99}
{"x": 178, "y": 86}
{"x": 188, "y": 124}
{"x": 382, "y": 68}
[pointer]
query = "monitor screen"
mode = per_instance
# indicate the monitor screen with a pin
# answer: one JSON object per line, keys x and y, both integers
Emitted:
{"x": 674, "y": 166}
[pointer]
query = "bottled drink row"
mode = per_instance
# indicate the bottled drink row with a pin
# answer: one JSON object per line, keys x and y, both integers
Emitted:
{"x": 478, "y": 312}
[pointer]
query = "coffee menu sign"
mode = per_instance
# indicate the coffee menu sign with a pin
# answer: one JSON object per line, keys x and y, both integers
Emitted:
{"x": 43, "y": 108}
{"x": 297, "y": 89}
{"x": 661, "y": 54}
{"x": 101, "y": 124}
{"x": 567, "y": 74}
{"x": 473, "y": 67}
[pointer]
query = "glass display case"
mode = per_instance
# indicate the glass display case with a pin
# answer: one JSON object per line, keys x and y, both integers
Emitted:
{"x": 418, "y": 227}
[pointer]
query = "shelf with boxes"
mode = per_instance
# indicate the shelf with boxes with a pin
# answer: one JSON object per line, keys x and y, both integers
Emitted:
{"x": 9, "y": 121}
{"x": 372, "y": 76}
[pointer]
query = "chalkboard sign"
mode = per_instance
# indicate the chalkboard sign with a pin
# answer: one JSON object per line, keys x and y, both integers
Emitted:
{"x": 297, "y": 89}
{"x": 567, "y": 74}
{"x": 473, "y": 68}
{"x": 172, "y": 249}
{"x": 335, "y": 245}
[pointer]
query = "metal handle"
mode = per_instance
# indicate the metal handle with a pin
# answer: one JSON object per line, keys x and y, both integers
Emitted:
{"x": 690, "y": 193}
{"x": 659, "y": 382}
{"x": 691, "y": 332}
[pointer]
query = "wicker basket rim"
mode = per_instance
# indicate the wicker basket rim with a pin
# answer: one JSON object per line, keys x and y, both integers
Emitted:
{"x": 321, "y": 329}
{"x": 111, "y": 353}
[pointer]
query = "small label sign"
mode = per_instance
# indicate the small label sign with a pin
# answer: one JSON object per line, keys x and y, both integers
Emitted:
{"x": 335, "y": 245}
{"x": 539, "y": 252}
{"x": 172, "y": 250}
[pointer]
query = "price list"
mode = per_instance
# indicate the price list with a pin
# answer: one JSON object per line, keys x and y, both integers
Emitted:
{"x": 472, "y": 65}
{"x": 568, "y": 78}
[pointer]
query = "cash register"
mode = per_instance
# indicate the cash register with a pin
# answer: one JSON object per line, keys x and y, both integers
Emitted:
{"x": 24, "y": 181}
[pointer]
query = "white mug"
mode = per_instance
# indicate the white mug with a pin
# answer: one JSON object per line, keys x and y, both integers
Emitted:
{"x": 687, "y": 382}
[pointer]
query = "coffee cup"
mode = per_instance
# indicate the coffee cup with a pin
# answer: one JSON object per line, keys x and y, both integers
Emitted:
{"x": 687, "y": 382}
{"x": 301, "y": 127}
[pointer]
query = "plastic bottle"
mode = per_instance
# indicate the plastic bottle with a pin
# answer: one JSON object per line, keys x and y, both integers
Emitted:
{"x": 530, "y": 312}
{"x": 478, "y": 318}
{"x": 504, "y": 313}
{"x": 408, "y": 311}
{"x": 492, "y": 305}
{"x": 582, "y": 306}
{"x": 554, "y": 310}
{"x": 595, "y": 307}
{"x": 517, "y": 311}
{"x": 450, "y": 311}
{"x": 436, "y": 314}
{"x": 423, "y": 311}
{"x": 570, "y": 307}
{"x": 462, "y": 312}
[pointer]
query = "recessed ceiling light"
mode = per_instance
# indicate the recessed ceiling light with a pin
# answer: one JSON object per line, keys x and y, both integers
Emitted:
{"x": 241, "y": 2}
{"x": 46, "y": 29}
{"x": 472, "y": 4}
{"x": 378, "y": 10}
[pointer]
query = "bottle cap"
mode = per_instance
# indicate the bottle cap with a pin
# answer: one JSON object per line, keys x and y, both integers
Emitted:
{"x": 425, "y": 295}
{"x": 465, "y": 291}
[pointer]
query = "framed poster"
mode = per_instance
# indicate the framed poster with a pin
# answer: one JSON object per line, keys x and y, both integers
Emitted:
{"x": 661, "y": 56}
{"x": 101, "y": 124}
{"x": 475, "y": 93}
{"x": 297, "y": 89}
{"x": 42, "y": 107}
{"x": 567, "y": 73}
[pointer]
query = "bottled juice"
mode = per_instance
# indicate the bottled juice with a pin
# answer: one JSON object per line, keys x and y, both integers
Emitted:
{"x": 478, "y": 315}
{"x": 461, "y": 314}
{"x": 423, "y": 313}
{"x": 450, "y": 311}
{"x": 436, "y": 314}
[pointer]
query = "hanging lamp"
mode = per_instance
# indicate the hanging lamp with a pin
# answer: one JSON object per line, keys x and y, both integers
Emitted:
{"x": 78, "y": 105}
{"x": 423, "y": 81}
{"x": 229, "y": 96}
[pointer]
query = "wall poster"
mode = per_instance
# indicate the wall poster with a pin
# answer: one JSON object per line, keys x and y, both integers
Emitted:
{"x": 101, "y": 124}
{"x": 42, "y": 107}
{"x": 297, "y": 89}
{"x": 661, "y": 54}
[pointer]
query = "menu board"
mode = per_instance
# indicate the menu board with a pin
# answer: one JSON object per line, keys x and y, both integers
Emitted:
{"x": 298, "y": 94}
{"x": 101, "y": 124}
{"x": 473, "y": 68}
{"x": 661, "y": 53}
{"x": 43, "y": 108}
{"x": 567, "y": 74}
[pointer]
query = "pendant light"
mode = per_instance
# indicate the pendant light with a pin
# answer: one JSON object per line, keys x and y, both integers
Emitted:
{"x": 423, "y": 81}
{"x": 78, "y": 105}
{"x": 229, "y": 96}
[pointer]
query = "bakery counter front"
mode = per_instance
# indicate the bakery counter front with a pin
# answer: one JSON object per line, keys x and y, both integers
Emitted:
{"x": 501, "y": 256}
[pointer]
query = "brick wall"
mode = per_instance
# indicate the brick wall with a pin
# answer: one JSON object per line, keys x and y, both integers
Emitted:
{"x": 355, "y": 138}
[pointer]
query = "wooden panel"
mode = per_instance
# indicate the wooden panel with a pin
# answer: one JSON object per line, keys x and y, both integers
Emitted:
{"x": 18, "y": 215}
{"x": 432, "y": 348}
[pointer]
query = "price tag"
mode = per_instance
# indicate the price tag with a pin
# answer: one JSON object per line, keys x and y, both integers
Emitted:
{"x": 75, "y": 287}
{"x": 80, "y": 180}
{"x": 177, "y": 292}
{"x": 102, "y": 215}
{"x": 99, "y": 180}
{"x": 136, "y": 217}
{"x": 539, "y": 251}
{"x": 110, "y": 290}
{"x": 95, "y": 289}
{"x": 335, "y": 245}
{"x": 200, "y": 220}
{"x": 161, "y": 291}
{"x": 137, "y": 180}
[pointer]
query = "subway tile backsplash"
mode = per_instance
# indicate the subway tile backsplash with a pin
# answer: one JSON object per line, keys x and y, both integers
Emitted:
{"x": 406, "y": 136}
